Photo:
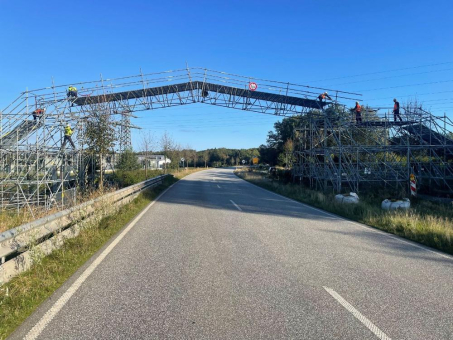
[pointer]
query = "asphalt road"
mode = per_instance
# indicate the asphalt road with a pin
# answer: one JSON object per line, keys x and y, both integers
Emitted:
{"x": 218, "y": 258}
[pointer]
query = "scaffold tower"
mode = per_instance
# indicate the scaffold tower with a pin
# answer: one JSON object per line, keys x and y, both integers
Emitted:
{"x": 338, "y": 154}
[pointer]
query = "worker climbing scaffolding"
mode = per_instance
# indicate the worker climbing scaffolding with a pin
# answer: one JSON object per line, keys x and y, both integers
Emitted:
{"x": 323, "y": 97}
{"x": 396, "y": 110}
{"x": 67, "y": 136}
{"x": 37, "y": 114}
{"x": 72, "y": 92}
{"x": 357, "y": 109}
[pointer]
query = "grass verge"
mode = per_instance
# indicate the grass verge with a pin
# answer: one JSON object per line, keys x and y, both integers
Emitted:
{"x": 426, "y": 223}
{"x": 28, "y": 290}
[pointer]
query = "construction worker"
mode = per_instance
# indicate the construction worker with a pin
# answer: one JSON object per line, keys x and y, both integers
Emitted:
{"x": 72, "y": 92}
{"x": 358, "y": 112}
{"x": 323, "y": 96}
{"x": 67, "y": 136}
{"x": 37, "y": 114}
{"x": 396, "y": 110}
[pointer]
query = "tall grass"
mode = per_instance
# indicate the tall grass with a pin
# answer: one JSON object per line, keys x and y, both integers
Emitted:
{"x": 427, "y": 223}
{"x": 13, "y": 218}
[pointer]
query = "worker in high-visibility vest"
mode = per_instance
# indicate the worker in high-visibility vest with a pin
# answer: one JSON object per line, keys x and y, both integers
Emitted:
{"x": 396, "y": 110}
{"x": 37, "y": 114}
{"x": 67, "y": 136}
{"x": 72, "y": 92}
{"x": 323, "y": 97}
{"x": 358, "y": 112}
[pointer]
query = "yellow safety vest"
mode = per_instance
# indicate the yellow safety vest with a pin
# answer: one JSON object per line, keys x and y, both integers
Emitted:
{"x": 67, "y": 131}
{"x": 71, "y": 88}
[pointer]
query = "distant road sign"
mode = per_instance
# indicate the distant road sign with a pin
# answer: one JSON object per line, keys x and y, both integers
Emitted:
{"x": 243, "y": 161}
{"x": 252, "y": 86}
{"x": 182, "y": 159}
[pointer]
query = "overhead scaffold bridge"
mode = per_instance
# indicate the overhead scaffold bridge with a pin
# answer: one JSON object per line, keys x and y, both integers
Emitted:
{"x": 34, "y": 170}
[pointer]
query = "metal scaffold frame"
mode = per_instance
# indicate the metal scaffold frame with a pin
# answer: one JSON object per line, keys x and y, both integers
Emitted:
{"x": 337, "y": 154}
{"x": 34, "y": 170}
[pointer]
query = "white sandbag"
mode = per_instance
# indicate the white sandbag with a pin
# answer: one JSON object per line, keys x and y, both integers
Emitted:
{"x": 405, "y": 204}
{"x": 345, "y": 198}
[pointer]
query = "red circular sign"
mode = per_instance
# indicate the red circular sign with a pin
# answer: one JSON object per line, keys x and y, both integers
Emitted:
{"x": 252, "y": 86}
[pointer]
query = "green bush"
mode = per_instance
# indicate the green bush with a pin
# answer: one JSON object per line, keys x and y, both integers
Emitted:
{"x": 128, "y": 161}
{"x": 125, "y": 178}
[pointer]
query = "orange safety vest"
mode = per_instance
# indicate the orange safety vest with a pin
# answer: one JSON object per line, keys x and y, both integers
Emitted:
{"x": 358, "y": 108}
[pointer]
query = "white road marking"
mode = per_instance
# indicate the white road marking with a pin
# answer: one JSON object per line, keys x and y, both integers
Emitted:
{"x": 373, "y": 229}
{"x": 238, "y": 207}
{"x": 218, "y": 186}
{"x": 53, "y": 311}
{"x": 371, "y": 326}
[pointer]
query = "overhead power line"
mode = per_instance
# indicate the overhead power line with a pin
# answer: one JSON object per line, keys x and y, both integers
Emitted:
{"x": 397, "y": 76}
{"x": 413, "y": 94}
{"x": 380, "y": 72}
{"x": 395, "y": 87}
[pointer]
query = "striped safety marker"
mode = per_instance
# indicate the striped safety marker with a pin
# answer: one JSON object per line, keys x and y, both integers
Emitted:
{"x": 413, "y": 185}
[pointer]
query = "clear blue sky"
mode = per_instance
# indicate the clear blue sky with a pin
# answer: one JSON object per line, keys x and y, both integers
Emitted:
{"x": 305, "y": 42}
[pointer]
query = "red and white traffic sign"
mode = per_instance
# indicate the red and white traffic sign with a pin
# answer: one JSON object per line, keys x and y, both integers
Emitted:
{"x": 252, "y": 86}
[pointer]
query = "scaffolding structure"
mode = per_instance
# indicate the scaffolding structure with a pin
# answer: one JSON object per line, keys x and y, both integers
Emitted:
{"x": 338, "y": 154}
{"x": 35, "y": 170}
{"x": 334, "y": 152}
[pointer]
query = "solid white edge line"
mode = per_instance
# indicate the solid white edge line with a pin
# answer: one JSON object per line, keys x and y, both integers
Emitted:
{"x": 53, "y": 311}
{"x": 373, "y": 229}
{"x": 238, "y": 207}
{"x": 218, "y": 186}
{"x": 359, "y": 316}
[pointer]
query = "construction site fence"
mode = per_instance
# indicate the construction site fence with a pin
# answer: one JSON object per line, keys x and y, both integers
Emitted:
{"x": 24, "y": 245}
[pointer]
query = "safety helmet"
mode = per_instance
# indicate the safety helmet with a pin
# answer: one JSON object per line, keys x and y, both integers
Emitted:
{"x": 356, "y": 102}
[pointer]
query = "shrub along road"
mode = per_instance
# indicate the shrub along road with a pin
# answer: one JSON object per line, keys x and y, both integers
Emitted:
{"x": 219, "y": 258}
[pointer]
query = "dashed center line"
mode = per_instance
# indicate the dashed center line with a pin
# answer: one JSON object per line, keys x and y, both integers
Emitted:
{"x": 371, "y": 326}
{"x": 238, "y": 207}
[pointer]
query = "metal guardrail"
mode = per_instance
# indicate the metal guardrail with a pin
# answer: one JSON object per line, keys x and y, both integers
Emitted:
{"x": 48, "y": 233}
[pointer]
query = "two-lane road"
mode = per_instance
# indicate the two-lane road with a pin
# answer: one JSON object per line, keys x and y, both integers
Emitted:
{"x": 218, "y": 258}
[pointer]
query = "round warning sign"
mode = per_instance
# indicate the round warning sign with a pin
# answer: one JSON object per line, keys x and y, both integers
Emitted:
{"x": 252, "y": 86}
